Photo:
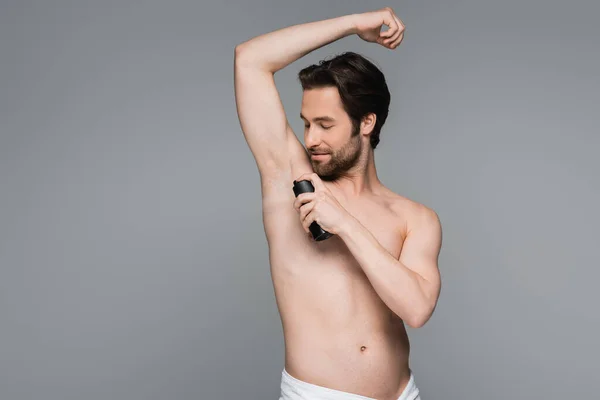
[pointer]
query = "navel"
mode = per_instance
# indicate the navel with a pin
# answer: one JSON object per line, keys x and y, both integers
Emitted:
{"x": 363, "y": 348}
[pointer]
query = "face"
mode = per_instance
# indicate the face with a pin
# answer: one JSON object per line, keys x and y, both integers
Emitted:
{"x": 332, "y": 143}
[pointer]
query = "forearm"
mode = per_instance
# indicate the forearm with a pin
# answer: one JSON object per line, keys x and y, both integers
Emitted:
{"x": 275, "y": 50}
{"x": 400, "y": 288}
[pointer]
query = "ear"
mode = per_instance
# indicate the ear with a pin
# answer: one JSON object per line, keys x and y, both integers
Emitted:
{"x": 368, "y": 123}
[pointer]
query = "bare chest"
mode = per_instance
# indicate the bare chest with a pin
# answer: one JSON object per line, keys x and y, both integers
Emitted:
{"x": 384, "y": 225}
{"x": 322, "y": 281}
{"x": 291, "y": 246}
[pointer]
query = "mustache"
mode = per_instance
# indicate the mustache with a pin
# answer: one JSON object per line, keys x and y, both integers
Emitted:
{"x": 318, "y": 151}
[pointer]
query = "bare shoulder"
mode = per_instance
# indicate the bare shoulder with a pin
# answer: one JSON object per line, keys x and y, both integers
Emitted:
{"x": 423, "y": 237}
{"x": 412, "y": 212}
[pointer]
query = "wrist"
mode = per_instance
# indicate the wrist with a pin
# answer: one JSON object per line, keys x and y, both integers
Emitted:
{"x": 347, "y": 226}
{"x": 352, "y": 20}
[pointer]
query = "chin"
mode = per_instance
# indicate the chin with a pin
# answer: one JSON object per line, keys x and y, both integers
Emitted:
{"x": 327, "y": 175}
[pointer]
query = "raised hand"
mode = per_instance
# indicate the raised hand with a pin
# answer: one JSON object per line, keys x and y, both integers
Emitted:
{"x": 370, "y": 24}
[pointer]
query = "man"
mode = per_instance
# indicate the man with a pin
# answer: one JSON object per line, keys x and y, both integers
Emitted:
{"x": 343, "y": 301}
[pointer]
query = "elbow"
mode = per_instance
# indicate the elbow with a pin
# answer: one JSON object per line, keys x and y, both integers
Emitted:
{"x": 239, "y": 48}
{"x": 422, "y": 309}
{"x": 248, "y": 55}
{"x": 242, "y": 56}
{"x": 416, "y": 321}
{"x": 238, "y": 52}
{"x": 419, "y": 318}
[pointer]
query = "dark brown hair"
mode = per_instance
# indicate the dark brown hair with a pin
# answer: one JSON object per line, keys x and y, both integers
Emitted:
{"x": 361, "y": 86}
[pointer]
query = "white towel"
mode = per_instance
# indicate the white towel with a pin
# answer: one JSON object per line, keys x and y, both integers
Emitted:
{"x": 295, "y": 389}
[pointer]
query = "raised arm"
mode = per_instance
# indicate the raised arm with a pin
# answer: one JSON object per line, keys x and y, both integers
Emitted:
{"x": 275, "y": 147}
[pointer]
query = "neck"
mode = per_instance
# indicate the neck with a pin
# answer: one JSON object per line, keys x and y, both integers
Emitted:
{"x": 360, "y": 179}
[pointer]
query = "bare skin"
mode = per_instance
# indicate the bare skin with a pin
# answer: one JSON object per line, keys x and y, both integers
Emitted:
{"x": 344, "y": 302}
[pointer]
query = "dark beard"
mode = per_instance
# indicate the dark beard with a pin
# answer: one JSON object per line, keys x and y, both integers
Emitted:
{"x": 340, "y": 161}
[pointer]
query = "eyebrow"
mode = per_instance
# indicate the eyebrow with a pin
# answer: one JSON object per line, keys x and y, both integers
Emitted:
{"x": 317, "y": 119}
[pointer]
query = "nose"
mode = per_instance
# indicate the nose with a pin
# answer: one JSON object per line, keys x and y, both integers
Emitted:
{"x": 311, "y": 138}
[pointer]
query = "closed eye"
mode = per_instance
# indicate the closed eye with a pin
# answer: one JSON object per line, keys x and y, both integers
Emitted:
{"x": 322, "y": 126}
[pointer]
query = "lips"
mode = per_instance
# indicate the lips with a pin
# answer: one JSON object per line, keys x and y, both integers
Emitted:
{"x": 319, "y": 156}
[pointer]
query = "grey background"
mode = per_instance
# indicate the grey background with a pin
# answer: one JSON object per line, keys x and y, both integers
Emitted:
{"x": 133, "y": 264}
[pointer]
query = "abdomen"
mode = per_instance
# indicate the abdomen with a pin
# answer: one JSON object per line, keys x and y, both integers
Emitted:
{"x": 338, "y": 332}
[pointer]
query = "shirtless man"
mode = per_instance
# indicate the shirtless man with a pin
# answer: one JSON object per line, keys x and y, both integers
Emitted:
{"x": 343, "y": 301}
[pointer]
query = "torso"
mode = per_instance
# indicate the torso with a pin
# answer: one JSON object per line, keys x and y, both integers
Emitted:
{"x": 338, "y": 333}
